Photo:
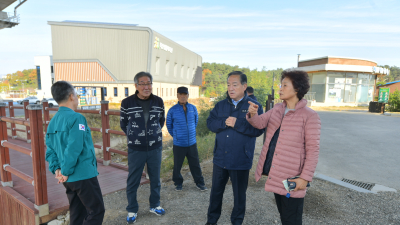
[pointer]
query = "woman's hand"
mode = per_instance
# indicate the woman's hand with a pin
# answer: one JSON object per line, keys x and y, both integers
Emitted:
{"x": 253, "y": 108}
{"x": 301, "y": 184}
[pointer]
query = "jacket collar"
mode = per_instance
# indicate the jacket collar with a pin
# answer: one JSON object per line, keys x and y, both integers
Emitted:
{"x": 64, "y": 109}
{"x": 136, "y": 96}
{"x": 301, "y": 104}
{"x": 230, "y": 100}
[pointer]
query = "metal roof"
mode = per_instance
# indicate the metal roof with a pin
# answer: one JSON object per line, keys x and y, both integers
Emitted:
{"x": 99, "y": 23}
{"x": 340, "y": 57}
{"x": 5, "y": 3}
{"x": 393, "y": 82}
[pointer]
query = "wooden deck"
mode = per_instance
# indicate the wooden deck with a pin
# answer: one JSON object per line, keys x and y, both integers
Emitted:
{"x": 111, "y": 179}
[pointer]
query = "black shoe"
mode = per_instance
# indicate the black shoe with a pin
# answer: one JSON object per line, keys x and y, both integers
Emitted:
{"x": 202, "y": 188}
{"x": 178, "y": 187}
{"x": 211, "y": 223}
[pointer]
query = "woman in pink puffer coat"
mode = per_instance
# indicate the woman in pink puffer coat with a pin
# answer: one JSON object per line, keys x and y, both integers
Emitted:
{"x": 291, "y": 146}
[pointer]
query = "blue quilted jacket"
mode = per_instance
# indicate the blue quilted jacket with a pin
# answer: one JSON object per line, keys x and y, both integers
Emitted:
{"x": 181, "y": 126}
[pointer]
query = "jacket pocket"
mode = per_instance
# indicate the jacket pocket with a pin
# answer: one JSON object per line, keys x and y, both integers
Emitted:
{"x": 249, "y": 149}
{"x": 302, "y": 159}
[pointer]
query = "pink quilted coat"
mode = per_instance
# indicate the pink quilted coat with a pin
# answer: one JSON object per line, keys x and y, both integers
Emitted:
{"x": 297, "y": 148}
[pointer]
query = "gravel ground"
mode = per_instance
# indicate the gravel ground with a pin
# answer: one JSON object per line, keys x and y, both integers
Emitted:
{"x": 325, "y": 203}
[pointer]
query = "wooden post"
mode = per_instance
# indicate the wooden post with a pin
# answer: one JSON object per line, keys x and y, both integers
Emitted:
{"x": 28, "y": 132}
{"x": 38, "y": 159}
{"x": 12, "y": 115}
{"x": 46, "y": 114}
{"x": 105, "y": 126}
{"x": 4, "y": 152}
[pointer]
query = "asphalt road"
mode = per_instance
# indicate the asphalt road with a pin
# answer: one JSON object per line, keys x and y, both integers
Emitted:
{"x": 360, "y": 146}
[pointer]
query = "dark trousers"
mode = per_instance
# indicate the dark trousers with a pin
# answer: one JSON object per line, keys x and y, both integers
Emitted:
{"x": 86, "y": 204}
{"x": 136, "y": 161}
{"x": 239, "y": 179}
{"x": 192, "y": 156}
{"x": 290, "y": 209}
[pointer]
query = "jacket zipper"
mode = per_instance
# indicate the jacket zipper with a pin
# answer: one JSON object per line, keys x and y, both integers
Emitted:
{"x": 187, "y": 125}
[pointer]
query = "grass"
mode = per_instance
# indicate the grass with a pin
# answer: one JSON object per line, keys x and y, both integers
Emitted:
{"x": 205, "y": 147}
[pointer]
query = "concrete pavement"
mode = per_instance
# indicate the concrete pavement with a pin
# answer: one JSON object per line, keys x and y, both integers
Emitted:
{"x": 360, "y": 146}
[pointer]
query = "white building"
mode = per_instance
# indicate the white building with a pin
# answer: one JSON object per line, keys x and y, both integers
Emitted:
{"x": 45, "y": 76}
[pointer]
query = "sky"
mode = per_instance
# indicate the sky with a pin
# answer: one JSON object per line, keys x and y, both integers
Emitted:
{"x": 255, "y": 34}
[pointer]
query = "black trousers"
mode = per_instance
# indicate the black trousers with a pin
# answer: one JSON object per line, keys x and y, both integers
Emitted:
{"x": 239, "y": 179}
{"x": 193, "y": 159}
{"x": 86, "y": 204}
{"x": 290, "y": 209}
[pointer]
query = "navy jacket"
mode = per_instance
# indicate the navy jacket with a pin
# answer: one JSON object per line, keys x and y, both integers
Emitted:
{"x": 132, "y": 123}
{"x": 253, "y": 97}
{"x": 181, "y": 126}
{"x": 234, "y": 147}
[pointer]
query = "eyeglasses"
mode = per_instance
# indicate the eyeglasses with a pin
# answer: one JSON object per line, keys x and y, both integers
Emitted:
{"x": 144, "y": 85}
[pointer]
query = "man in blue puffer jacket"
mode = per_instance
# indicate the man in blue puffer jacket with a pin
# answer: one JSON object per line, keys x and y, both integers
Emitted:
{"x": 182, "y": 120}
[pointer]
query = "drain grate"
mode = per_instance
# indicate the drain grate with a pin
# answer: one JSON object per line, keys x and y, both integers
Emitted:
{"x": 367, "y": 186}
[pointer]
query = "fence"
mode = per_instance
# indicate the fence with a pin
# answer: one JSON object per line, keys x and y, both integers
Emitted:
{"x": 37, "y": 152}
{"x": 36, "y": 125}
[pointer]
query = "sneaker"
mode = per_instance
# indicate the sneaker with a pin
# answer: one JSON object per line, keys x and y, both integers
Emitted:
{"x": 159, "y": 211}
{"x": 202, "y": 187}
{"x": 178, "y": 187}
{"x": 131, "y": 218}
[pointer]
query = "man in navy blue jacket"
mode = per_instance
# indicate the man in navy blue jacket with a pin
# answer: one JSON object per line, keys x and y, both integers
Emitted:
{"x": 142, "y": 117}
{"x": 234, "y": 148}
{"x": 250, "y": 93}
{"x": 182, "y": 121}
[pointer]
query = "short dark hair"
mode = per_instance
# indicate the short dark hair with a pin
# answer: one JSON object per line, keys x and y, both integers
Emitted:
{"x": 61, "y": 90}
{"x": 243, "y": 77}
{"x": 142, "y": 74}
{"x": 250, "y": 90}
{"x": 300, "y": 81}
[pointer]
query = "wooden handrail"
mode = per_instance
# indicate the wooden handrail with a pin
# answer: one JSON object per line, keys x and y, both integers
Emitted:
{"x": 16, "y": 121}
{"x": 117, "y": 132}
{"x": 19, "y": 174}
{"x": 18, "y": 148}
{"x": 88, "y": 111}
{"x": 118, "y": 151}
{"x": 113, "y": 112}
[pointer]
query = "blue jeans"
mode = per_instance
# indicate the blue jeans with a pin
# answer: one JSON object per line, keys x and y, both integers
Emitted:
{"x": 136, "y": 161}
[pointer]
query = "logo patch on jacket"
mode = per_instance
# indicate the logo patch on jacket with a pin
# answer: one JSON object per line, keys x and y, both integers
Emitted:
{"x": 81, "y": 127}
{"x": 244, "y": 110}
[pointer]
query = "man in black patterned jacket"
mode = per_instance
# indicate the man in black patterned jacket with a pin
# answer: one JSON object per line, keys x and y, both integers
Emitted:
{"x": 142, "y": 117}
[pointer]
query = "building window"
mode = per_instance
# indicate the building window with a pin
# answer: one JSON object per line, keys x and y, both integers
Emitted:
{"x": 105, "y": 91}
{"x": 157, "y": 65}
{"x": 166, "y": 92}
{"x": 126, "y": 92}
{"x": 171, "y": 91}
{"x": 350, "y": 88}
{"x": 175, "y": 70}
{"x": 188, "y": 73}
{"x": 167, "y": 68}
{"x": 52, "y": 69}
{"x": 39, "y": 81}
{"x": 318, "y": 86}
{"x": 182, "y": 71}
{"x": 115, "y": 92}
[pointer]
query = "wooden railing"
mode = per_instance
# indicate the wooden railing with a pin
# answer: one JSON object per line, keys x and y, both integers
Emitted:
{"x": 105, "y": 130}
{"x": 34, "y": 127}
